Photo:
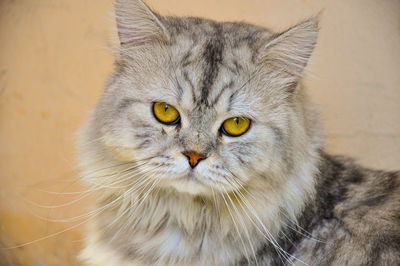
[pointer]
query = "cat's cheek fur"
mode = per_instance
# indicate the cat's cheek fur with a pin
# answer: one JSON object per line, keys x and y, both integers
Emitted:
{"x": 257, "y": 151}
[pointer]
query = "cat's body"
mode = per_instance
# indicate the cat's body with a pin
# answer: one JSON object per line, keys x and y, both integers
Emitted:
{"x": 355, "y": 214}
{"x": 353, "y": 221}
{"x": 266, "y": 196}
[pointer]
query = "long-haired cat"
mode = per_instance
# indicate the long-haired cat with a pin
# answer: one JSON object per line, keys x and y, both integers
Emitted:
{"x": 205, "y": 150}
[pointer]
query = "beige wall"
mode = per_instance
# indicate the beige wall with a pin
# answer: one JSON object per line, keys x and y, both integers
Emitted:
{"x": 53, "y": 65}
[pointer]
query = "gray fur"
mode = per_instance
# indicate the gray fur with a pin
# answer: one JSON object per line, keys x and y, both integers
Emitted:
{"x": 268, "y": 197}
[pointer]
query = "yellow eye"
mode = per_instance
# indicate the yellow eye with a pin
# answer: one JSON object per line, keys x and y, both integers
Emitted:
{"x": 235, "y": 126}
{"x": 165, "y": 113}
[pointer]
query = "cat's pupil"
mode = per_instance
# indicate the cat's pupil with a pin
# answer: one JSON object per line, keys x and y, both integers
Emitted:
{"x": 166, "y": 107}
{"x": 236, "y": 119}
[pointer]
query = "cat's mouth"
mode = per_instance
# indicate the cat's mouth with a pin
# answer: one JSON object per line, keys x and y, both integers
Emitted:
{"x": 191, "y": 178}
{"x": 190, "y": 183}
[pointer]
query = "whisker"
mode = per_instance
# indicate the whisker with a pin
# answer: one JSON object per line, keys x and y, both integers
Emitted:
{"x": 92, "y": 140}
{"x": 69, "y": 228}
{"x": 140, "y": 201}
{"x": 216, "y": 207}
{"x": 119, "y": 179}
{"x": 141, "y": 181}
{"x": 81, "y": 197}
{"x": 72, "y": 219}
{"x": 46, "y": 237}
{"x": 276, "y": 246}
{"x": 271, "y": 239}
{"x": 306, "y": 234}
{"x": 236, "y": 227}
{"x": 236, "y": 179}
{"x": 79, "y": 178}
{"x": 244, "y": 227}
{"x": 130, "y": 168}
{"x": 56, "y": 206}
{"x": 289, "y": 219}
{"x": 108, "y": 167}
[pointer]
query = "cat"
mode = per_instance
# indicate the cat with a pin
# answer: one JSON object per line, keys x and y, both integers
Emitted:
{"x": 204, "y": 149}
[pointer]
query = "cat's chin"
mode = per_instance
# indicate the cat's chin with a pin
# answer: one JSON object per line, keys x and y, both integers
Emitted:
{"x": 189, "y": 184}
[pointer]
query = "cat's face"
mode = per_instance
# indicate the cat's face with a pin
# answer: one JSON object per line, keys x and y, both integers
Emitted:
{"x": 205, "y": 91}
{"x": 211, "y": 76}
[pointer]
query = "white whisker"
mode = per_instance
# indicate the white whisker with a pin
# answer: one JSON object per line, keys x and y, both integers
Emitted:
{"x": 236, "y": 227}
{"x": 269, "y": 236}
{"x": 245, "y": 228}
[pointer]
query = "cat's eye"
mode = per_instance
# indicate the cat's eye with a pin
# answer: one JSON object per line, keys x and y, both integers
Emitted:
{"x": 166, "y": 113}
{"x": 235, "y": 126}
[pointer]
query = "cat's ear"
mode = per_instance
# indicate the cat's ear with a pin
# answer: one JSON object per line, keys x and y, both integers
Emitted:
{"x": 287, "y": 54}
{"x": 137, "y": 24}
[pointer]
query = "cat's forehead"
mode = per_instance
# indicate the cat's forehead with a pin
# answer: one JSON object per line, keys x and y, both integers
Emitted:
{"x": 227, "y": 34}
{"x": 211, "y": 59}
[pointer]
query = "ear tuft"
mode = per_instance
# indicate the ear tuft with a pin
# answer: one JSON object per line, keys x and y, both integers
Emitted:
{"x": 290, "y": 51}
{"x": 137, "y": 24}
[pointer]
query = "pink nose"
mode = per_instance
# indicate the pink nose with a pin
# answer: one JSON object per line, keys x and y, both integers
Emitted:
{"x": 194, "y": 158}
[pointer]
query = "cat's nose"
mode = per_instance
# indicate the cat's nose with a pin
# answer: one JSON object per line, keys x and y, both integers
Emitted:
{"x": 194, "y": 158}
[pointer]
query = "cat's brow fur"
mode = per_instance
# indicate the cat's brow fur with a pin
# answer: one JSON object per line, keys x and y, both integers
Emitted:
{"x": 269, "y": 197}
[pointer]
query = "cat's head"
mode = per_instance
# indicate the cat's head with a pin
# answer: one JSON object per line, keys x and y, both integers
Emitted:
{"x": 203, "y": 107}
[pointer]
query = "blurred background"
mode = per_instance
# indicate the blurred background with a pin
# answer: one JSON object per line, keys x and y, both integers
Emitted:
{"x": 53, "y": 66}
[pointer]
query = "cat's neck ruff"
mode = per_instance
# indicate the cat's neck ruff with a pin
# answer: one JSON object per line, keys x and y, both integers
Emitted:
{"x": 171, "y": 228}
